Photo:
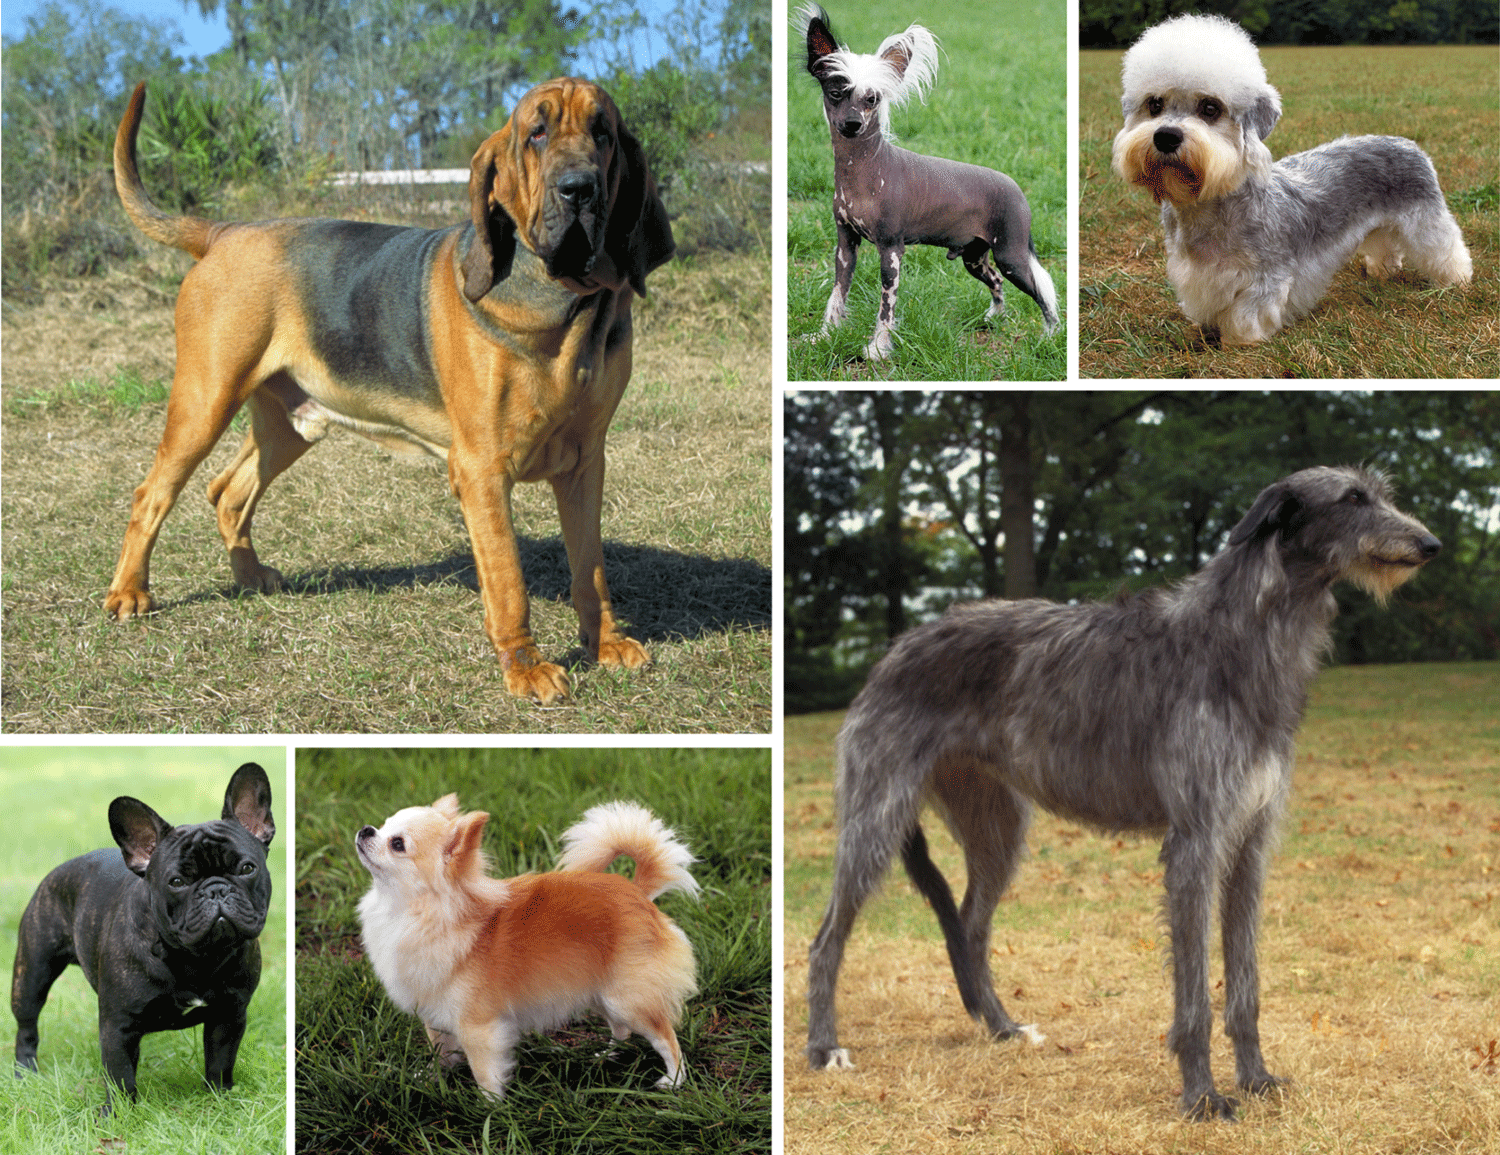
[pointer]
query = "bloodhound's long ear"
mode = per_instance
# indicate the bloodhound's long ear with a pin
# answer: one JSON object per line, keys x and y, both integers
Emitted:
{"x": 494, "y": 242}
{"x": 639, "y": 236}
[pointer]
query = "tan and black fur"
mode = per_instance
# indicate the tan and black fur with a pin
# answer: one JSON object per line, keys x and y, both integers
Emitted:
{"x": 502, "y": 345}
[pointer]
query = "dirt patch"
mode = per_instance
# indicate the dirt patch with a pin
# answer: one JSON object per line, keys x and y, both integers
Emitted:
{"x": 1378, "y": 961}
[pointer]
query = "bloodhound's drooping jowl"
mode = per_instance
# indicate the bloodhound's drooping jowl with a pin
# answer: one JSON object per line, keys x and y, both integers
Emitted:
{"x": 502, "y": 345}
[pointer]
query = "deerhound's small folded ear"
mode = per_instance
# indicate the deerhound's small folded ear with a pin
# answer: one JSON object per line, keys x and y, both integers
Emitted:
{"x": 1272, "y": 512}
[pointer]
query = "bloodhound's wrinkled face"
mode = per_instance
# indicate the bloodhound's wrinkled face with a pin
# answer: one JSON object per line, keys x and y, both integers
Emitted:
{"x": 565, "y": 136}
{"x": 566, "y": 176}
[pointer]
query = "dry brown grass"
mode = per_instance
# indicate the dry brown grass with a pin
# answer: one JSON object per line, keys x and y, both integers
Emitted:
{"x": 1380, "y": 960}
{"x": 1444, "y": 98}
{"x": 382, "y": 628}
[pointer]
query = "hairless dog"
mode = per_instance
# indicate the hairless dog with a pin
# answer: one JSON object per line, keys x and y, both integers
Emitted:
{"x": 894, "y": 198}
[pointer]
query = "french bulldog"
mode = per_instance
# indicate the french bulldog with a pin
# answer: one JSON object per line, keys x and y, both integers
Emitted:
{"x": 165, "y": 930}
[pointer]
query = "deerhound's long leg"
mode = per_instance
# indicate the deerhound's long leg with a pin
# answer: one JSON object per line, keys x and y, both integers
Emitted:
{"x": 968, "y": 952}
{"x": 877, "y": 809}
{"x": 989, "y": 820}
{"x": 1191, "y": 862}
{"x": 1239, "y": 911}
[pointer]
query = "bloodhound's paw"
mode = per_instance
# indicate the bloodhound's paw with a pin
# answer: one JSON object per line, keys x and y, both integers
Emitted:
{"x": 129, "y": 603}
{"x": 250, "y": 575}
{"x": 527, "y": 676}
{"x": 623, "y": 651}
{"x": 543, "y": 683}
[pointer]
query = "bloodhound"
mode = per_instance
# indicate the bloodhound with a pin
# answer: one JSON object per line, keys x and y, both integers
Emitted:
{"x": 502, "y": 345}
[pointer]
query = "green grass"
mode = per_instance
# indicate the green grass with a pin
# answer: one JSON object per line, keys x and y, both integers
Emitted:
{"x": 381, "y": 629}
{"x": 57, "y": 800}
{"x": 1380, "y": 958}
{"x": 365, "y": 1077}
{"x": 1000, "y": 100}
{"x": 125, "y": 391}
{"x": 1442, "y": 97}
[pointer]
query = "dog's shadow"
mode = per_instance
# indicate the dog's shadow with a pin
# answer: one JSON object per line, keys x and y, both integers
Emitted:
{"x": 661, "y": 594}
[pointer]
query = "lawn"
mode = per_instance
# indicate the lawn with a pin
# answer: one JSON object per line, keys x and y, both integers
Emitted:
{"x": 1380, "y": 960}
{"x": 366, "y": 1080}
{"x": 999, "y": 100}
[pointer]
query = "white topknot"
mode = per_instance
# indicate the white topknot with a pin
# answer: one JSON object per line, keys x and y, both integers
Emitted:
{"x": 873, "y": 72}
{"x": 1204, "y": 54}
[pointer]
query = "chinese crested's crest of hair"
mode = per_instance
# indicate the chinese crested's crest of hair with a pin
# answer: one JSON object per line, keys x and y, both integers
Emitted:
{"x": 876, "y": 71}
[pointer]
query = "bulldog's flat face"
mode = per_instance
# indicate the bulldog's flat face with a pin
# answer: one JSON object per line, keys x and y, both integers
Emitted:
{"x": 209, "y": 885}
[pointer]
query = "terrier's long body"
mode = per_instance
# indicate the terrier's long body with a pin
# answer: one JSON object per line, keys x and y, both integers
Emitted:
{"x": 894, "y": 198}
{"x": 1174, "y": 711}
{"x": 1252, "y": 246}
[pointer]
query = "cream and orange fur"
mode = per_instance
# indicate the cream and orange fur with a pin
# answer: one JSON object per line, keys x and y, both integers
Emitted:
{"x": 483, "y": 960}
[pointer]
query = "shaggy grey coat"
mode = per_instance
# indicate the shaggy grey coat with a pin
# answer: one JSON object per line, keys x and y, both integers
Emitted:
{"x": 1174, "y": 710}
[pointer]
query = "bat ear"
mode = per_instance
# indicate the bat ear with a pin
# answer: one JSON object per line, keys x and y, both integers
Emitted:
{"x": 138, "y": 829}
{"x": 247, "y": 800}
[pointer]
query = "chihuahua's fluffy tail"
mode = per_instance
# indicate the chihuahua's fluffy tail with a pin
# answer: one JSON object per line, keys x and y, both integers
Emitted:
{"x": 614, "y": 828}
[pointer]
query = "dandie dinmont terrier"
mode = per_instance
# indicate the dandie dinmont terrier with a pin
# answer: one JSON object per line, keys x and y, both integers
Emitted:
{"x": 1252, "y": 245}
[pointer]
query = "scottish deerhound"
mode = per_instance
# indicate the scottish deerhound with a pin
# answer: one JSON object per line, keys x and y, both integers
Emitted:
{"x": 1174, "y": 710}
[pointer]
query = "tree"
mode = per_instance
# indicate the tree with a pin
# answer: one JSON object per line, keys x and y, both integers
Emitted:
{"x": 398, "y": 82}
{"x": 1129, "y": 489}
{"x": 65, "y": 82}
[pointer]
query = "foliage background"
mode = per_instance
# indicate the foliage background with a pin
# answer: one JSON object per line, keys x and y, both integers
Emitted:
{"x": 1115, "y": 23}
{"x": 308, "y": 89}
{"x": 894, "y": 503}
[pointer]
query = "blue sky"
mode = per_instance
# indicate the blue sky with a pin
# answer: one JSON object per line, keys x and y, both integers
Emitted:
{"x": 205, "y": 37}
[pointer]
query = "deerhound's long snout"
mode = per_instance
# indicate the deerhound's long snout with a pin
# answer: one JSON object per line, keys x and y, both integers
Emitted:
{"x": 1173, "y": 710}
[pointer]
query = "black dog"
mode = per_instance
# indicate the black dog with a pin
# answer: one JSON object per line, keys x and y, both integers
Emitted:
{"x": 165, "y": 935}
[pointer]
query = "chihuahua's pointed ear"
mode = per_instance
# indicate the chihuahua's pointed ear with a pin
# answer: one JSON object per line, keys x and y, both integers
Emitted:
{"x": 492, "y": 187}
{"x": 461, "y": 851}
{"x": 447, "y": 806}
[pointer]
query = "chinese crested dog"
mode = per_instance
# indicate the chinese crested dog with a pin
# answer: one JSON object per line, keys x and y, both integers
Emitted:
{"x": 894, "y": 198}
{"x": 1251, "y": 245}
